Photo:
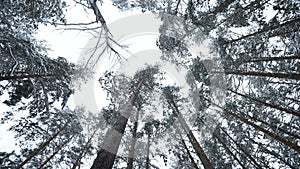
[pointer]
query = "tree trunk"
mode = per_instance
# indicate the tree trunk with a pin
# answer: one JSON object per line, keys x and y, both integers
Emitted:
{"x": 197, "y": 147}
{"x": 83, "y": 150}
{"x": 267, "y": 132}
{"x": 41, "y": 147}
{"x": 268, "y": 59}
{"x": 287, "y": 83}
{"x": 293, "y": 76}
{"x": 133, "y": 142}
{"x": 272, "y": 153}
{"x": 99, "y": 16}
{"x": 295, "y": 20}
{"x": 148, "y": 152}
{"x": 274, "y": 127}
{"x": 242, "y": 149}
{"x": 53, "y": 154}
{"x": 230, "y": 152}
{"x": 286, "y": 32}
{"x": 267, "y": 104}
{"x": 107, "y": 154}
{"x": 187, "y": 149}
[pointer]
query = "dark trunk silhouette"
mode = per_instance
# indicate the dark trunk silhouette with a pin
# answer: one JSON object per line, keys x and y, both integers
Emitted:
{"x": 133, "y": 142}
{"x": 230, "y": 152}
{"x": 267, "y": 104}
{"x": 41, "y": 147}
{"x": 267, "y": 59}
{"x": 267, "y": 132}
{"x": 272, "y": 153}
{"x": 242, "y": 149}
{"x": 293, "y": 76}
{"x": 107, "y": 154}
{"x": 264, "y": 30}
{"x": 83, "y": 150}
{"x": 273, "y": 126}
{"x": 148, "y": 152}
{"x": 187, "y": 149}
{"x": 56, "y": 152}
{"x": 198, "y": 149}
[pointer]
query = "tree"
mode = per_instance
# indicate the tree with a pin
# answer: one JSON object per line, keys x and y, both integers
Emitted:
{"x": 144, "y": 79}
{"x": 170, "y": 98}
{"x": 255, "y": 120}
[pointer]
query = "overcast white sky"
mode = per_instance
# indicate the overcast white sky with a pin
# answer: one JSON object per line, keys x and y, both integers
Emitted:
{"x": 69, "y": 43}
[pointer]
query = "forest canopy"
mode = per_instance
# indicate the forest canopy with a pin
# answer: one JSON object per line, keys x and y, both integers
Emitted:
{"x": 238, "y": 108}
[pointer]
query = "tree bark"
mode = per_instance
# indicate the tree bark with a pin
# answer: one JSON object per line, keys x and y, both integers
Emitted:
{"x": 267, "y": 104}
{"x": 83, "y": 150}
{"x": 267, "y": 132}
{"x": 148, "y": 152}
{"x": 292, "y": 21}
{"x": 107, "y": 154}
{"x": 197, "y": 147}
{"x": 230, "y": 152}
{"x": 272, "y": 153}
{"x": 53, "y": 154}
{"x": 293, "y": 76}
{"x": 98, "y": 14}
{"x": 274, "y": 127}
{"x": 267, "y": 59}
{"x": 242, "y": 149}
{"x": 187, "y": 149}
{"x": 41, "y": 147}
{"x": 133, "y": 142}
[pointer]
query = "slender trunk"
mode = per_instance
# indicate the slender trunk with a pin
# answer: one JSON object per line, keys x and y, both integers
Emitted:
{"x": 238, "y": 146}
{"x": 53, "y": 154}
{"x": 133, "y": 142}
{"x": 267, "y": 104}
{"x": 273, "y": 34}
{"x": 197, "y": 147}
{"x": 107, "y": 154}
{"x": 98, "y": 14}
{"x": 48, "y": 159}
{"x": 287, "y": 83}
{"x": 148, "y": 152}
{"x": 272, "y": 153}
{"x": 267, "y": 132}
{"x": 293, "y": 76}
{"x": 267, "y": 59}
{"x": 177, "y": 6}
{"x": 274, "y": 127}
{"x": 41, "y": 147}
{"x": 242, "y": 149}
{"x": 187, "y": 149}
{"x": 84, "y": 149}
{"x": 264, "y": 30}
{"x": 230, "y": 152}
